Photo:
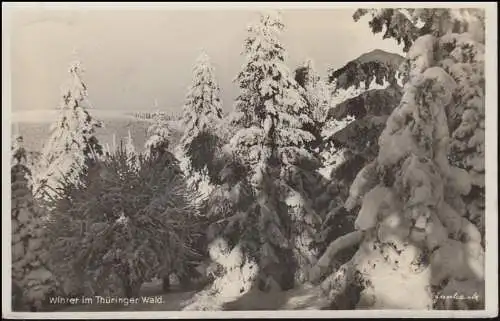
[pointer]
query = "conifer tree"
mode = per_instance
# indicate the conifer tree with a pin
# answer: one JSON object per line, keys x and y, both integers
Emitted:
{"x": 129, "y": 145}
{"x": 131, "y": 152}
{"x": 316, "y": 90}
{"x": 72, "y": 144}
{"x": 30, "y": 275}
{"x": 271, "y": 117}
{"x": 201, "y": 119}
{"x": 203, "y": 108}
{"x": 412, "y": 219}
{"x": 158, "y": 146}
{"x": 128, "y": 225}
{"x": 159, "y": 135}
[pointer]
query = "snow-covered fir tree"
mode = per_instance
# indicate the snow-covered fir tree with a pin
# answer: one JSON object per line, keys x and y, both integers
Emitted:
{"x": 72, "y": 143}
{"x": 202, "y": 115}
{"x": 317, "y": 91}
{"x": 203, "y": 108}
{"x": 412, "y": 228}
{"x": 129, "y": 144}
{"x": 271, "y": 116}
{"x": 30, "y": 275}
{"x": 131, "y": 152}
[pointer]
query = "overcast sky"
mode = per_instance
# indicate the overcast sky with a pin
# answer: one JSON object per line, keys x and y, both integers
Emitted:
{"x": 133, "y": 57}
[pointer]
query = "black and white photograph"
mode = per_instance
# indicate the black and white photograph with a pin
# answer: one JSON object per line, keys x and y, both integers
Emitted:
{"x": 248, "y": 160}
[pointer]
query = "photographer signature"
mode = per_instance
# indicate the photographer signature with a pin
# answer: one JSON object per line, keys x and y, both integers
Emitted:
{"x": 456, "y": 296}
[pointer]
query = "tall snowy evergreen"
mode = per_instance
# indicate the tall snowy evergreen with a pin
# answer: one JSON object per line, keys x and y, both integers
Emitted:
{"x": 202, "y": 116}
{"x": 413, "y": 231}
{"x": 203, "y": 108}
{"x": 30, "y": 275}
{"x": 271, "y": 116}
{"x": 72, "y": 143}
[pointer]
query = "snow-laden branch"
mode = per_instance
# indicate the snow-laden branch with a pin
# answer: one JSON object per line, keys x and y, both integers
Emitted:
{"x": 338, "y": 282}
{"x": 341, "y": 243}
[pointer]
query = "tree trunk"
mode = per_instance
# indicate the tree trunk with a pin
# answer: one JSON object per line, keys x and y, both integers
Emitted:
{"x": 128, "y": 290}
{"x": 132, "y": 289}
{"x": 166, "y": 283}
{"x": 185, "y": 280}
{"x": 17, "y": 295}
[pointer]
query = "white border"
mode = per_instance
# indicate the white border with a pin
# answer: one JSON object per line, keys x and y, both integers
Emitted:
{"x": 245, "y": 5}
{"x": 6, "y": 138}
{"x": 491, "y": 166}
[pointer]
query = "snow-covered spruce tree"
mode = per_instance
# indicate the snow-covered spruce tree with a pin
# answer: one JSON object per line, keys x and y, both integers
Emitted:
{"x": 126, "y": 226}
{"x": 72, "y": 143}
{"x": 271, "y": 115}
{"x": 202, "y": 114}
{"x": 129, "y": 144}
{"x": 317, "y": 91}
{"x": 30, "y": 276}
{"x": 203, "y": 108}
{"x": 131, "y": 152}
{"x": 412, "y": 228}
{"x": 318, "y": 97}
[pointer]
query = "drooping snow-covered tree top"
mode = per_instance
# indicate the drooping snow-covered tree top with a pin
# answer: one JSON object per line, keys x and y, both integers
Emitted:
{"x": 203, "y": 108}
{"x": 405, "y": 25}
{"x": 72, "y": 142}
{"x": 270, "y": 101}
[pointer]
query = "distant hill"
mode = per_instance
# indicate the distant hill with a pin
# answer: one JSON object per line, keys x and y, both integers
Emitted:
{"x": 382, "y": 56}
{"x": 377, "y": 65}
